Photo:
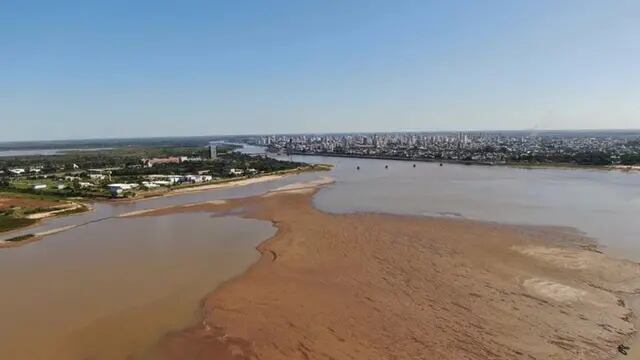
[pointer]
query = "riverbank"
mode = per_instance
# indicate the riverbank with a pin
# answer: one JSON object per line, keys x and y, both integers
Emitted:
{"x": 225, "y": 183}
{"x": 375, "y": 286}
{"x": 21, "y": 211}
{"x": 74, "y": 208}
{"x": 242, "y": 181}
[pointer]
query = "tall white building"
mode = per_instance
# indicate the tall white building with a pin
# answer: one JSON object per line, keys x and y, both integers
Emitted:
{"x": 213, "y": 151}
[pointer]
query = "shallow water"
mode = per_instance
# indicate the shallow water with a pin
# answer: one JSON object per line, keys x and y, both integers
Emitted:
{"x": 110, "y": 289}
{"x": 603, "y": 204}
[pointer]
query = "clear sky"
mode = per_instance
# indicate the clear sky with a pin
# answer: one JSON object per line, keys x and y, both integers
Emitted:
{"x": 123, "y": 68}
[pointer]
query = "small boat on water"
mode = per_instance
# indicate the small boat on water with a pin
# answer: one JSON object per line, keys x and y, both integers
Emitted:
{"x": 357, "y": 167}
{"x": 386, "y": 166}
{"x": 440, "y": 164}
{"x": 414, "y": 165}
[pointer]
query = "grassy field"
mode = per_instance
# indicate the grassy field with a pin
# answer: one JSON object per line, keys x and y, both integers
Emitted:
{"x": 21, "y": 238}
{"x": 24, "y": 188}
{"x": 17, "y": 208}
{"x": 26, "y": 201}
{"x": 28, "y": 183}
{"x": 8, "y": 223}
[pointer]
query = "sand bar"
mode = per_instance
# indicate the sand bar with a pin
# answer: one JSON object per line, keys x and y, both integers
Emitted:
{"x": 227, "y": 184}
{"x": 375, "y": 286}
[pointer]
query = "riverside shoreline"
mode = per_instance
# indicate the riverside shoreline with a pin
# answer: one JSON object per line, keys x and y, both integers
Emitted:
{"x": 376, "y": 286}
{"x": 226, "y": 183}
{"x": 233, "y": 183}
{"x": 567, "y": 166}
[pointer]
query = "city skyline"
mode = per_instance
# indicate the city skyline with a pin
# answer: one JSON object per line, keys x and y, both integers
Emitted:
{"x": 88, "y": 70}
{"x": 523, "y": 132}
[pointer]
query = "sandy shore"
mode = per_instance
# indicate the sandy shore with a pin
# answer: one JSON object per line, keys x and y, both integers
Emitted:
{"x": 231, "y": 183}
{"x": 374, "y": 286}
{"x": 59, "y": 210}
{"x": 228, "y": 184}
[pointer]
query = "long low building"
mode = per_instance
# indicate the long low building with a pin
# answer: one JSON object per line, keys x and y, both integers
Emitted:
{"x": 175, "y": 179}
{"x": 197, "y": 178}
{"x": 117, "y": 189}
{"x": 167, "y": 160}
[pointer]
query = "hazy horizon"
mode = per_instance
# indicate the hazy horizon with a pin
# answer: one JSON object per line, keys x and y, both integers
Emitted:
{"x": 84, "y": 70}
{"x": 489, "y": 131}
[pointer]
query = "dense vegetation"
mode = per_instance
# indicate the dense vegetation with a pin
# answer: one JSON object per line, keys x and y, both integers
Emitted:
{"x": 118, "y": 157}
{"x": 218, "y": 168}
{"x": 87, "y": 173}
{"x": 595, "y": 158}
{"x": 8, "y": 222}
{"x": 21, "y": 238}
{"x": 630, "y": 159}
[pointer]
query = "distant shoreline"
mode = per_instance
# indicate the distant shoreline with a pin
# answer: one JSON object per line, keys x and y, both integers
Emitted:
{"x": 477, "y": 163}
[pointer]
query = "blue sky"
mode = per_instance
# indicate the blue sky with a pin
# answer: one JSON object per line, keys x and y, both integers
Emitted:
{"x": 87, "y": 69}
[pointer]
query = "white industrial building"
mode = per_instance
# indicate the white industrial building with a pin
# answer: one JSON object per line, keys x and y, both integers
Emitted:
{"x": 117, "y": 189}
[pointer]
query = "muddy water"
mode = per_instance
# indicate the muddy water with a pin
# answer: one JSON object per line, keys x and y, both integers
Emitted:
{"x": 602, "y": 204}
{"x": 110, "y": 289}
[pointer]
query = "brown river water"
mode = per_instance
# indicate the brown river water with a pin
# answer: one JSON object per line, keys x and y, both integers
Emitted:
{"x": 109, "y": 289}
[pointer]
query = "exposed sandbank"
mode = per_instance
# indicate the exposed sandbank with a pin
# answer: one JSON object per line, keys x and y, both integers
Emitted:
{"x": 375, "y": 286}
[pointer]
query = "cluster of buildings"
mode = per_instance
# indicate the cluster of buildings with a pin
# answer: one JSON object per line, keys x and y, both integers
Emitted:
{"x": 34, "y": 170}
{"x": 475, "y": 147}
{"x": 156, "y": 181}
{"x": 170, "y": 160}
